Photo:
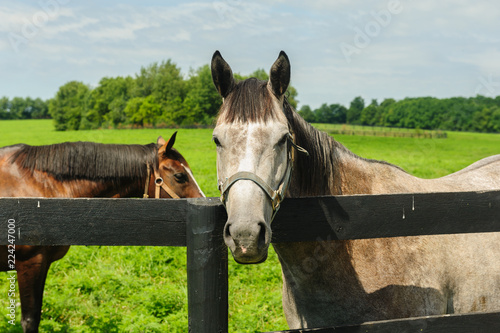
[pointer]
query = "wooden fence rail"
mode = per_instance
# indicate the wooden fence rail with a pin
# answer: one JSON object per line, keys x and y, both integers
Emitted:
{"x": 198, "y": 223}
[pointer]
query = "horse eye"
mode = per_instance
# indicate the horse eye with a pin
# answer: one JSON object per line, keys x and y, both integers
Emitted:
{"x": 180, "y": 178}
{"x": 282, "y": 141}
{"x": 216, "y": 141}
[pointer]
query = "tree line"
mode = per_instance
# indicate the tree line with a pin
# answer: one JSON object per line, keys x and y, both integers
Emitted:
{"x": 477, "y": 114}
{"x": 158, "y": 96}
{"x": 161, "y": 96}
{"x": 23, "y": 108}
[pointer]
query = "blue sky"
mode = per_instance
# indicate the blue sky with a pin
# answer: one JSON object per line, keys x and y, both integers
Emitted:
{"x": 338, "y": 49}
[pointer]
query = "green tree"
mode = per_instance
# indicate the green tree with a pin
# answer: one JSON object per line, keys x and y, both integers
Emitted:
{"x": 116, "y": 114}
{"x": 261, "y": 74}
{"x": 165, "y": 83}
{"x": 132, "y": 110}
{"x": 104, "y": 95}
{"x": 330, "y": 114}
{"x": 339, "y": 113}
{"x": 323, "y": 114}
{"x": 39, "y": 109}
{"x": 487, "y": 120}
{"x": 495, "y": 119}
{"x": 19, "y": 108}
{"x": 5, "y": 108}
{"x": 369, "y": 115}
{"x": 143, "y": 111}
{"x": 69, "y": 104}
{"x": 23, "y": 108}
{"x": 202, "y": 101}
{"x": 150, "y": 110}
{"x": 354, "y": 112}
{"x": 306, "y": 113}
{"x": 111, "y": 95}
{"x": 385, "y": 111}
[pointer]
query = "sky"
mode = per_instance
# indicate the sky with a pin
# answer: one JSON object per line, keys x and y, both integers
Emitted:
{"x": 338, "y": 49}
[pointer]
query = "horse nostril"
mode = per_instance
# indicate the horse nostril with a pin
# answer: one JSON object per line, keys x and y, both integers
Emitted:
{"x": 263, "y": 236}
{"x": 228, "y": 239}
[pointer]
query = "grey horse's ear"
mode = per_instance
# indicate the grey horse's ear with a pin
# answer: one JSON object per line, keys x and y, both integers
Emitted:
{"x": 222, "y": 75}
{"x": 279, "y": 76}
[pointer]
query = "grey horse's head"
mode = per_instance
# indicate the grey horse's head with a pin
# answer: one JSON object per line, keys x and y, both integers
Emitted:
{"x": 253, "y": 155}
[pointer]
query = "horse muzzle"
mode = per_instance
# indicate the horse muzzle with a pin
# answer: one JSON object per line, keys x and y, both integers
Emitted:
{"x": 248, "y": 241}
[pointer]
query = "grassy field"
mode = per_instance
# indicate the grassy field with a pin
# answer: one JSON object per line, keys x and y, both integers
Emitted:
{"x": 336, "y": 129}
{"x": 143, "y": 289}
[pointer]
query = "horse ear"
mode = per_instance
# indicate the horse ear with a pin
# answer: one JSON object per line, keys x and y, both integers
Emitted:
{"x": 171, "y": 141}
{"x": 161, "y": 141}
{"x": 222, "y": 75}
{"x": 166, "y": 145}
{"x": 279, "y": 76}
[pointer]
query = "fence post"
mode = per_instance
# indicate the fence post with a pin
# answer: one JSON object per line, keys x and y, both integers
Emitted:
{"x": 207, "y": 277}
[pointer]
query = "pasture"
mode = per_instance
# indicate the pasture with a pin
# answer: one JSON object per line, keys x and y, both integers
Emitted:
{"x": 133, "y": 289}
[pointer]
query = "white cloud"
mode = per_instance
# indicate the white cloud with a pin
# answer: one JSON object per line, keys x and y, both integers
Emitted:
{"x": 75, "y": 25}
{"x": 440, "y": 40}
{"x": 487, "y": 61}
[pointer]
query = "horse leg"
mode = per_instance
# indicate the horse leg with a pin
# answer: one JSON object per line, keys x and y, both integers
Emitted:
{"x": 31, "y": 274}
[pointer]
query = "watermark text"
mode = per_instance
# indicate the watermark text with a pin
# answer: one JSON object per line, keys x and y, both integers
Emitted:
{"x": 11, "y": 263}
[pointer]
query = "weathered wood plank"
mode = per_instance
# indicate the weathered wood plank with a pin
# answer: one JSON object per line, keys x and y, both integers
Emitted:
{"x": 95, "y": 221}
{"x": 162, "y": 222}
{"x": 207, "y": 267}
{"x": 391, "y": 215}
{"x": 488, "y": 322}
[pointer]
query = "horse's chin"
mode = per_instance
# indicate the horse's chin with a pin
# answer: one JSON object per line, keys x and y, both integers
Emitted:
{"x": 246, "y": 260}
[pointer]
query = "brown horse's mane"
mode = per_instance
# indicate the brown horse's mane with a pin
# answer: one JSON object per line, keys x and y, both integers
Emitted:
{"x": 87, "y": 160}
{"x": 251, "y": 101}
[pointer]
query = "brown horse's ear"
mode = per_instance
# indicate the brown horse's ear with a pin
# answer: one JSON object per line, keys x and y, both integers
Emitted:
{"x": 279, "y": 76}
{"x": 222, "y": 75}
{"x": 166, "y": 145}
{"x": 161, "y": 141}
{"x": 171, "y": 141}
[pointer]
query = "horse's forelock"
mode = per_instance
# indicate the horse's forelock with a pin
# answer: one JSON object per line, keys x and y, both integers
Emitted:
{"x": 248, "y": 101}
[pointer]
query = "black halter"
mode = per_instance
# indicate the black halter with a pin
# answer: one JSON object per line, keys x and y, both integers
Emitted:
{"x": 276, "y": 196}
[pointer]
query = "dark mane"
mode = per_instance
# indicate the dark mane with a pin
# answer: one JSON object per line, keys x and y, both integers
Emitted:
{"x": 318, "y": 169}
{"x": 323, "y": 157}
{"x": 249, "y": 101}
{"x": 88, "y": 160}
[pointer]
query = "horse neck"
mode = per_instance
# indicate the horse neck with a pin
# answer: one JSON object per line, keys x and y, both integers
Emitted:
{"x": 315, "y": 174}
{"x": 102, "y": 170}
{"x": 332, "y": 169}
{"x": 109, "y": 188}
{"x": 122, "y": 188}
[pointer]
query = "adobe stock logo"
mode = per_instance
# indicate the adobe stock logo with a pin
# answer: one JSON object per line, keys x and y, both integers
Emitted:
{"x": 487, "y": 86}
{"x": 227, "y": 8}
{"x": 49, "y": 10}
{"x": 363, "y": 37}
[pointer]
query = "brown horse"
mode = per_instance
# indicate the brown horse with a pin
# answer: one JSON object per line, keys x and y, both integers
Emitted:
{"x": 83, "y": 169}
{"x": 257, "y": 135}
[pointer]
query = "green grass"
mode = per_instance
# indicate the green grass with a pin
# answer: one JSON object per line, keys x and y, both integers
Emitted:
{"x": 143, "y": 289}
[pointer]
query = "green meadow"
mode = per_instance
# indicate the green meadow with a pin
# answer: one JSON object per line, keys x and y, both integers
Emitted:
{"x": 143, "y": 289}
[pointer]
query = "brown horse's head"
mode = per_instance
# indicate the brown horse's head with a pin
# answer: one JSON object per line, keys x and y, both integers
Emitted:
{"x": 173, "y": 176}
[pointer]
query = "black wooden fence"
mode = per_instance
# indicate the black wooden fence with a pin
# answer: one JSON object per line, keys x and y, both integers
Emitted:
{"x": 198, "y": 223}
